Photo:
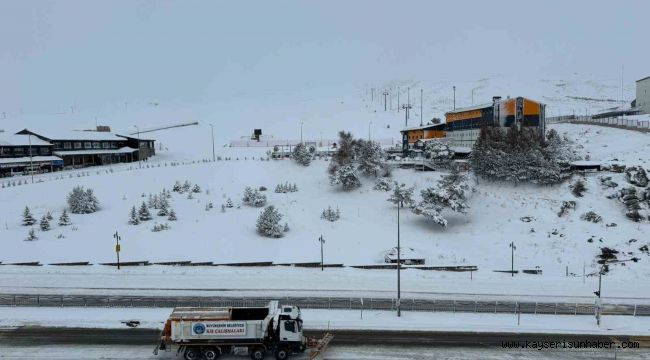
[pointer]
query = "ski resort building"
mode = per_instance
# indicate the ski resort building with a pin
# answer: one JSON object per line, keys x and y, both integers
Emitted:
{"x": 51, "y": 151}
{"x": 463, "y": 126}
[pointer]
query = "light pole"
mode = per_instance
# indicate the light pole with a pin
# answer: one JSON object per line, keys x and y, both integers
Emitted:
{"x": 369, "y": 123}
{"x": 117, "y": 248}
{"x": 385, "y": 94}
{"x": 212, "y": 130}
{"x": 139, "y": 147}
{"x": 321, "y": 241}
{"x": 301, "y": 131}
{"x": 512, "y": 258}
{"x": 31, "y": 158}
{"x": 454, "y": 97}
{"x": 476, "y": 88}
{"x": 421, "y": 93}
{"x": 599, "y": 295}
{"x": 406, "y": 108}
{"x": 399, "y": 260}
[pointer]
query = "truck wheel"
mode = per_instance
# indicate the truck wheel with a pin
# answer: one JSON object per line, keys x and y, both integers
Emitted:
{"x": 191, "y": 354}
{"x": 211, "y": 353}
{"x": 258, "y": 354}
{"x": 282, "y": 354}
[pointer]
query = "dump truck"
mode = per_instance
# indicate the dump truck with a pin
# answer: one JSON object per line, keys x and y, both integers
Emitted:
{"x": 209, "y": 332}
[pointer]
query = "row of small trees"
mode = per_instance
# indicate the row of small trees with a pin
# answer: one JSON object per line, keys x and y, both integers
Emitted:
{"x": 354, "y": 157}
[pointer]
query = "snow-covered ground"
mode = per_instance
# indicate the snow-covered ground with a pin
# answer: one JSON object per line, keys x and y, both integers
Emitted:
{"x": 366, "y": 230}
{"x": 345, "y": 320}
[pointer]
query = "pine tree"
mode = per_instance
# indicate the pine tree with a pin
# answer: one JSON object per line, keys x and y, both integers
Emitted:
{"x": 383, "y": 184}
{"x": 248, "y": 193}
{"x": 196, "y": 189}
{"x": 49, "y": 215}
{"x": 31, "y": 235}
{"x": 301, "y": 154}
{"x": 28, "y": 219}
{"x": 402, "y": 195}
{"x": 44, "y": 224}
{"x": 134, "y": 219}
{"x": 268, "y": 223}
{"x": 229, "y": 203}
{"x": 370, "y": 157}
{"x": 439, "y": 152}
{"x": 448, "y": 194}
{"x": 177, "y": 187}
{"x": 82, "y": 201}
{"x": 172, "y": 216}
{"x": 579, "y": 188}
{"x": 163, "y": 209}
{"x": 187, "y": 186}
{"x": 143, "y": 213}
{"x": 286, "y": 227}
{"x": 345, "y": 176}
{"x": 64, "y": 219}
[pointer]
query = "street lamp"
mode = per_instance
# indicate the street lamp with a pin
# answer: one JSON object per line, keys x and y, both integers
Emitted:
{"x": 454, "y": 97}
{"x": 599, "y": 295}
{"x": 476, "y": 88}
{"x": 369, "y": 123}
{"x": 321, "y": 241}
{"x": 212, "y": 131}
{"x": 301, "y": 123}
{"x": 399, "y": 260}
{"x": 139, "y": 147}
{"x": 512, "y": 258}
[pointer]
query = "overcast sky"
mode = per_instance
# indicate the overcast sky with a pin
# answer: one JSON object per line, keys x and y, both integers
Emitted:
{"x": 93, "y": 53}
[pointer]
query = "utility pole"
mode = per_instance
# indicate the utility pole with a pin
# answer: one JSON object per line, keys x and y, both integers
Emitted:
{"x": 321, "y": 241}
{"x": 398, "y": 99}
{"x": 117, "y": 248}
{"x": 139, "y": 148}
{"x": 385, "y": 95}
{"x": 512, "y": 258}
{"x": 454, "y": 97}
{"x": 301, "y": 132}
{"x": 421, "y": 92}
{"x": 408, "y": 100}
{"x": 406, "y": 108}
{"x": 399, "y": 260}
{"x": 212, "y": 130}
{"x": 31, "y": 158}
{"x": 372, "y": 96}
{"x": 369, "y": 123}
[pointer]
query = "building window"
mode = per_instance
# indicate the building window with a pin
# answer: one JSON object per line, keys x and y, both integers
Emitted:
{"x": 113, "y": 145}
{"x": 97, "y": 145}
{"x": 106, "y": 145}
{"x": 67, "y": 145}
{"x": 88, "y": 145}
{"x": 57, "y": 145}
{"x": 19, "y": 151}
{"x": 77, "y": 145}
{"x": 44, "y": 151}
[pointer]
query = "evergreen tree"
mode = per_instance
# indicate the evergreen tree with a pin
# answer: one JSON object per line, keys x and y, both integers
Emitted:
{"x": 49, "y": 216}
{"x": 134, "y": 219}
{"x": 579, "y": 188}
{"x": 172, "y": 216}
{"x": 448, "y": 194}
{"x": 164, "y": 211}
{"x": 187, "y": 186}
{"x": 44, "y": 224}
{"x": 301, "y": 155}
{"x": 64, "y": 219}
{"x": 383, "y": 184}
{"x": 196, "y": 189}
{"x": 402, "y": 195}
{"x": 229, "y": 203}
{"x": 28, "y": 219}
{"x": 371, "y": 158}
{"x": 82, "y": 201}
{"x": 439, "y": 152}
{"x": 143, "y": 213}
{"x": 248, "y": 193}
{"x": 330, "y": 215}
{"x": 268, "y": 223}
{"x": 31, "y": 235}
{"x": 177, "y": 187}
{"x": 286, "y": 227}
{"x": 346, "y": 176}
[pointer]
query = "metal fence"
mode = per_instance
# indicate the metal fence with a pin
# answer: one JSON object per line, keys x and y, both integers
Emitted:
{"x": 620, "y": 122}
{"x": 328, "y": 303}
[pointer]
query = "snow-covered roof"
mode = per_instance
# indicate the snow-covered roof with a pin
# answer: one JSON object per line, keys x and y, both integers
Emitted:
{"x": 411, "y": 128}
{"x": 405, "y": 253}
{"x": 470, "y": 108}
{"x": 21, "y": 140}
{"x": 124, "y": 150}
{"x": 27, "y": 159}
{"x": 461, "y": 150}
{"x": 135, "y": 137}
{"x": 645, "y": 78}
{"x": 76, "y": 135}
{"x": 585, "y": 163}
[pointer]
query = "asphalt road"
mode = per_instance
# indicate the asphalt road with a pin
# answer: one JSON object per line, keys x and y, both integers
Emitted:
{"x": 44, "y": 336}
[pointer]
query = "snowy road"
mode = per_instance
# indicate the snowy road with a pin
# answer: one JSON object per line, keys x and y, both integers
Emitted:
{"x": 142, "y": 352}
